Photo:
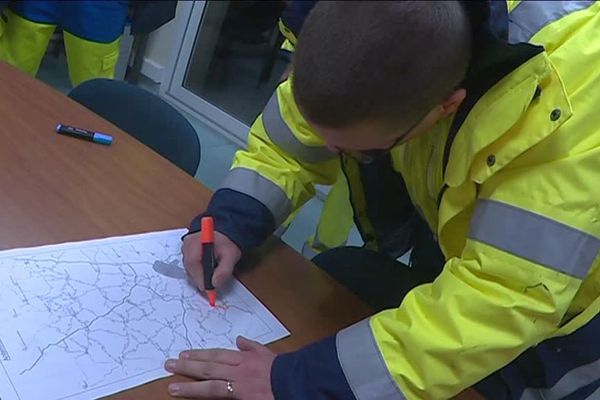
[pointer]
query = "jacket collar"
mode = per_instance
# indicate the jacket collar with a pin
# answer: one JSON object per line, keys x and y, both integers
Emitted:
{"x": 493, "y": 58}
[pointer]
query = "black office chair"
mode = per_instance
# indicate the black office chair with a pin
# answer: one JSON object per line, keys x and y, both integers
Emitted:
{"x": 145, "y": 116}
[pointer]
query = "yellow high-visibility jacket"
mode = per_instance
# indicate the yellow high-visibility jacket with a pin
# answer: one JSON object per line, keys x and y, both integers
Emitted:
{"x": 510, "y": 184}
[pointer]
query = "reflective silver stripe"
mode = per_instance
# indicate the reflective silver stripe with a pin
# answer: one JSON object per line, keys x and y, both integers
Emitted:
{"x": 534, "y": 237}
{"x": 573, "y": 380}
{"x": 281, "y": 134}
{"x": 530, "y": 16}
{"x": 363, "y": 364}
{"x": 255, "y": 185}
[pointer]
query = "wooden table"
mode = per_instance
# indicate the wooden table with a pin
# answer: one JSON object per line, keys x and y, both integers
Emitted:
{"x": 56, "y": 189}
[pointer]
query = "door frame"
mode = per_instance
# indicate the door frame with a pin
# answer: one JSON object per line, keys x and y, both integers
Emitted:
{"x": 172, "y": 88}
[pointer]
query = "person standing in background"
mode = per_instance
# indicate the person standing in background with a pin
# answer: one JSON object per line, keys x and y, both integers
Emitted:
{"x": 92, "y": 32}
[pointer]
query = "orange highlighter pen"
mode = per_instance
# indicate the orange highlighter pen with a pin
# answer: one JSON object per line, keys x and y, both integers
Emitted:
{"x": 207, "y": 240}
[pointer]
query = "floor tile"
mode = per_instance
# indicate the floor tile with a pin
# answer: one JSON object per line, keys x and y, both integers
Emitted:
{"x": 214, "y": 164}
{"x": 53, "y": 71}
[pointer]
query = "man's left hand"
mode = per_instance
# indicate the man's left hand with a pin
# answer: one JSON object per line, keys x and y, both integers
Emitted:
{"x": 225, "y": 374}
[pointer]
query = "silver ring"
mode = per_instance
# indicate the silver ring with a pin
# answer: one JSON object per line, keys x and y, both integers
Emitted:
{"x": 229, "y": 387}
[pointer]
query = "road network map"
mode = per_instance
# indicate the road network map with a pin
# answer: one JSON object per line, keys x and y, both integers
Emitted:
{"x": 88, "y": 319}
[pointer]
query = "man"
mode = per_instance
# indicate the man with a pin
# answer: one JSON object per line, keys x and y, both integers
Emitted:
{"x": 487, "y": 113}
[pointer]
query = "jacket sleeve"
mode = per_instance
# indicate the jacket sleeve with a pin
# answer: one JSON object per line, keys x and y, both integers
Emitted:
{"x": 274, "y": 176}
{"x": 524, "y": 259}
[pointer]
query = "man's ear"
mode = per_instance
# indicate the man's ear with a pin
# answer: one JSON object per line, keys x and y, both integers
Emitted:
{"x": 453, "y": 101}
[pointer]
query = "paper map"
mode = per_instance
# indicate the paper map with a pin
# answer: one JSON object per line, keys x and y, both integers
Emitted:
{"x": 88, "y": 319}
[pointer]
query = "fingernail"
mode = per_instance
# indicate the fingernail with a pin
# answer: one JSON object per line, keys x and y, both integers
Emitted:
{"x": 170, "y": 365}
{"x": 185, "y": 356}
{"x": 173, "y": 388}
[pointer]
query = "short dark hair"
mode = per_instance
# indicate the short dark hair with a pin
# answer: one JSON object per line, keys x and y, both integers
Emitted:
{"x": 388, "y": 61}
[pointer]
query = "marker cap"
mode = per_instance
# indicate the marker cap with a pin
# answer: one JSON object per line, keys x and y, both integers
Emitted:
{"x": 102, "y": 138}
{"x": 207, "y": 234}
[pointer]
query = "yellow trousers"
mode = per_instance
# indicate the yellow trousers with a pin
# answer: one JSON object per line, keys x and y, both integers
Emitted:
{"x": 23, "y": 44}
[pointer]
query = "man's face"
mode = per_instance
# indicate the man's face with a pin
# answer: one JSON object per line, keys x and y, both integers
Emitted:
{"x": 356, "y": 137}
{"x": 367, "y": 140}
{"x": 364, "y": 141}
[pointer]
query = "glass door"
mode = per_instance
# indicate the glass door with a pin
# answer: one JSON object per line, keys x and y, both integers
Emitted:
{"x": 228, "y": 62}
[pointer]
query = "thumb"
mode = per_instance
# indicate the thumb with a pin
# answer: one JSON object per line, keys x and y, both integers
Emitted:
{"x": 247, "y": 345}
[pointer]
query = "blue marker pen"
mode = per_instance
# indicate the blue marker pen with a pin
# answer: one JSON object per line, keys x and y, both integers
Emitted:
{"x": 84, "y": 134}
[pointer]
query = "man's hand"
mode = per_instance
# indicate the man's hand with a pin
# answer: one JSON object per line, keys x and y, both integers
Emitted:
{"x": 227, "y": 255}
{"x": 225, "y": 374}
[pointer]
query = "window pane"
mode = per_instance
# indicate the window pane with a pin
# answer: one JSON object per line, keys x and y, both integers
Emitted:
{"x": 236, "y": 62}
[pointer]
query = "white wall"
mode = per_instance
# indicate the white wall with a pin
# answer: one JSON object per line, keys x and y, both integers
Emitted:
{"x": 160, "y": 45}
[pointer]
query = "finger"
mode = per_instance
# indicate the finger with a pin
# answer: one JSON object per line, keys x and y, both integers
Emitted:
{"x": 248, "y": 345}
{"x": 225, "y": 266}
{"x": 196, "y": 272}
{"x": 204, "y": 370}
{"x": 191, "y": 248}
{"x": 214, "y": 389}
{"x": 192, "y": 260}
{"x": 223, "y": 356}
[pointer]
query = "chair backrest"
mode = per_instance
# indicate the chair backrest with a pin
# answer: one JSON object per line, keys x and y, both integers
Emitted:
{"x": 145, "y": 116}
